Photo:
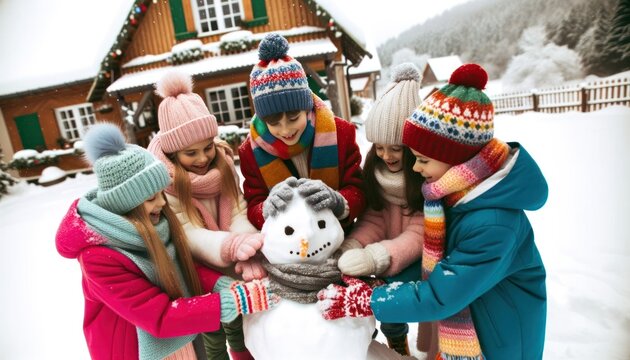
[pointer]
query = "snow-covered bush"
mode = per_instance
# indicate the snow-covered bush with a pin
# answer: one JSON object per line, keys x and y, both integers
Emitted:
{"x": 6, "y": 180}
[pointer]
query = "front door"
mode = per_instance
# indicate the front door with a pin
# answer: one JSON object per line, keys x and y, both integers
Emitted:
{"x": 30, "y": 131}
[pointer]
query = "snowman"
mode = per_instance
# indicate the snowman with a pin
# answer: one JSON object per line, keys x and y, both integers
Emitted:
{"x": 299, "y": 247}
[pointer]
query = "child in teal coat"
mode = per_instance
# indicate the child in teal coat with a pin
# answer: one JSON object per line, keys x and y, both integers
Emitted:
{"x": 483, "y": 278}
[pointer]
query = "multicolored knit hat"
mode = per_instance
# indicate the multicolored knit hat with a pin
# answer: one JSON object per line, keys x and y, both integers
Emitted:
{"x": 127, "y": 174}
{"x": 183, "y": 116}
{"x": 278, "y": 82}
{"x": 455, "y": 122}
{"x": 385, "y": 121}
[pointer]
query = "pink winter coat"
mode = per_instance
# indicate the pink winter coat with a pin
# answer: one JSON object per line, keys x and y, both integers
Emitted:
{"x": 119, "y": 297}
{"x": 402, "y": 235}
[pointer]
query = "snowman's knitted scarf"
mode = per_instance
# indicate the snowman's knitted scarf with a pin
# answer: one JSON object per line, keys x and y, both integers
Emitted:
{"x": 457, "y": 336}
{"x": 301, "y": 282}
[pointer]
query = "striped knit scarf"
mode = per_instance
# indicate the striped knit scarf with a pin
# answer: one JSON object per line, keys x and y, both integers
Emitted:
{"x": 320, "y": 132}
{"x": 457, "y": 337}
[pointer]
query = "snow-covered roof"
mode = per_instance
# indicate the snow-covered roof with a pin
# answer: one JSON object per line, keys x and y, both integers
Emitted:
{"x": 344, "y": 19}
{"x": 48, "y": 43}
{"x": 443, "y": 67}
{"x": 359, "y": 83}
{"x": 367, "y": 65}
{"x": 297, "y": 50}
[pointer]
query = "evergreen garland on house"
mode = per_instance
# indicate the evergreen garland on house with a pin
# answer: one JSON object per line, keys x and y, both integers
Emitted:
{"x": 6, "y": 180}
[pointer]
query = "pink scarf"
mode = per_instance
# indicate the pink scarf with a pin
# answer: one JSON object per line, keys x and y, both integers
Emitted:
{"x": 206, "y": 186}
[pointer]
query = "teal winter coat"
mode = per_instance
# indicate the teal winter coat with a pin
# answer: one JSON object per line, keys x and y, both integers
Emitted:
{"x": 491, "y": 264}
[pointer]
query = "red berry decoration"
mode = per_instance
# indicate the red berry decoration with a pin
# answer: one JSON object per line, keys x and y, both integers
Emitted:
{"x": 471, "y": 75}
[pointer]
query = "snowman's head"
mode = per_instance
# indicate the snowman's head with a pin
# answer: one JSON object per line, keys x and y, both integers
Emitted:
{"x": 301, "y": 235}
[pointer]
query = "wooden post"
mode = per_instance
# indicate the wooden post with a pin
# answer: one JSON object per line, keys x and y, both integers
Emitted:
{"x": 534, "y": 100}
{"x": 584, "y": 95}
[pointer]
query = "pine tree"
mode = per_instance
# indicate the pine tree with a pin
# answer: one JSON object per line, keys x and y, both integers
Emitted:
{"x": 595, "y": 57}
{"x": 618, "y": 42}
{"x": 6, "y": 180}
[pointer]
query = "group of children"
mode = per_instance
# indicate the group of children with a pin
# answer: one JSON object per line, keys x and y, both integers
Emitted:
{"x": 168, "y": 244}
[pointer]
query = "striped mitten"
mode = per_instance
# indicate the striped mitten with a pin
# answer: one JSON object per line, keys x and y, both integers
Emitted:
{"x": 246, "y": 298}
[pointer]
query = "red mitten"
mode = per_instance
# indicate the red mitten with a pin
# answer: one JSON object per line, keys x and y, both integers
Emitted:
{"x": 251, "y": 269}
{"x": 337, "y": 301}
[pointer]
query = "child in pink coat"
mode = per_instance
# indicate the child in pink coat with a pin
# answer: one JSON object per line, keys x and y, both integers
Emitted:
{"x": 387, "y": 239}
{"x": 145, "y": 298}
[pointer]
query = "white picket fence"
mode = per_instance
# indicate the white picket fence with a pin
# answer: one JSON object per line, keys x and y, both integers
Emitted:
{"x": 584, "y": 97}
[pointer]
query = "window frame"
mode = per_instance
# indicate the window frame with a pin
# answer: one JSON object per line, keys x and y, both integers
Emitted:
{"x": 230, "y": 103}
{"x": 79, "y": 127}
{"x": 218, "y": 8}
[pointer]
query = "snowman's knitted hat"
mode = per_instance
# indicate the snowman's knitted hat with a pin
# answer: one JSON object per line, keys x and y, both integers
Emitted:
{"x": 455, "y": 122}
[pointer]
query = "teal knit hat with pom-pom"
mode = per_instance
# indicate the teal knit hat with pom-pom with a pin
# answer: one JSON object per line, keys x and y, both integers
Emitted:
{"x": 278, "y": 82}
{"x": 127, "y": 174}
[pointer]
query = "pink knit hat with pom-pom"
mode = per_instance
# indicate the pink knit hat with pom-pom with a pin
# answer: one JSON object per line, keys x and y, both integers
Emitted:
{"x": 183, "y": 116}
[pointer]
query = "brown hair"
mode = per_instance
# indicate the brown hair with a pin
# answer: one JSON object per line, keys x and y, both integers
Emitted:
{"x": 272, "y": 118}
{"x": 166, "y": 273}
{"x": 413, "y": 181}
{"x": 183, "y": 188}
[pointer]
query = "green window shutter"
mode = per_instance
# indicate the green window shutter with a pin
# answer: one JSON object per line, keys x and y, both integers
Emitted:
{"x": 30, "y": 131}
{"x": 312, "y": 84}
{"x": 179, "y": 21}
{"x": 259, "y": 9}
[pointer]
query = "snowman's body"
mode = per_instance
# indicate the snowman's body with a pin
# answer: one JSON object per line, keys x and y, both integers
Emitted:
{"x": 293, "y": 330}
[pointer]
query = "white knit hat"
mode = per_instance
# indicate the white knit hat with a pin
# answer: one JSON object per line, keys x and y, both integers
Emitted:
{"x": 385, "y": 121}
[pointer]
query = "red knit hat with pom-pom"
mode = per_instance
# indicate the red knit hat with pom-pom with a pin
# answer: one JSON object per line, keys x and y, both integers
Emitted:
{"x": 455, "y": 122}
{"x": 183, "y": 116}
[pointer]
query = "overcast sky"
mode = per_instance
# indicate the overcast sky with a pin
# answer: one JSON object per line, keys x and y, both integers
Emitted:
{"x": 383, "y": 19}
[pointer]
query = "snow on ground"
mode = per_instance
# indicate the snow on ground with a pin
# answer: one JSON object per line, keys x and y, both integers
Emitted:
{"x": 580, "y": 232}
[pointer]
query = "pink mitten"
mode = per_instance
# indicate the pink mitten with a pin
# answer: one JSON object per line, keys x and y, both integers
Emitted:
{"x": 251, "y": 269}
{"x": 337, "y": 301}
{"x": 241, "y": 247}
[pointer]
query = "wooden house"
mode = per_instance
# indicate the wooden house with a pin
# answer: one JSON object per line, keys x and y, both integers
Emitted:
{"x": 215, "y": 41}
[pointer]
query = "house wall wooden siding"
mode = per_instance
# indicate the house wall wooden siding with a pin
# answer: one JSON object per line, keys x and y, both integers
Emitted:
{"x": 44, "y": 104}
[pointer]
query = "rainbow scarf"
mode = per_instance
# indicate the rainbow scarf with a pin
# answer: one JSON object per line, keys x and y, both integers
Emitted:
{"x": 320, "y": 131}
{"x": 457, "y": 337}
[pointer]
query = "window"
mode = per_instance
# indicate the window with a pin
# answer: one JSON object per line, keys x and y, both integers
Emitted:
{"x": 217, "y": 15}
{"x": 146, "y": 116}
{"x": 230, "y": 104}
{"x": 74, "y": 120}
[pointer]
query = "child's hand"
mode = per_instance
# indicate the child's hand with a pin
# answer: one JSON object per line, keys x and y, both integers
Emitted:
{"x": 250, "y": 269}
{"x": 337, "y": 301}
{"x": 241, "y": 247}
{"x": 320, "y": 196}
{"x": 279, "y": 196}
{"x": 246, "y": 298}
{"x": 373, "y": 260}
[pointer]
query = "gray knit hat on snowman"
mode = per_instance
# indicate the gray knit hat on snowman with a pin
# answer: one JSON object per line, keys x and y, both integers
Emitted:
{"x": 385, "y": 121}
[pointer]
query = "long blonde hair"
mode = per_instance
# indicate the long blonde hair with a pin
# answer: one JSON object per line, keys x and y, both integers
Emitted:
{"x": 165, "y": 269}
{"x": 183, "y": 188}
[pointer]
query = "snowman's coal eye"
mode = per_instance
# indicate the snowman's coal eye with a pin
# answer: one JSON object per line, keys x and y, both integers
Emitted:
{"x": 288, "y": 230}
{"x": 321, "y": 224}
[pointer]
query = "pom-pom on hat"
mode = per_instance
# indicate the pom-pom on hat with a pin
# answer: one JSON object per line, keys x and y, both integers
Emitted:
{"x": 278, "y": 82}
{"x": 127, "y": 174}
{"x": 455, "y": 122}
{"x": 183, "y": 116}
{"x": 385, "y": 121}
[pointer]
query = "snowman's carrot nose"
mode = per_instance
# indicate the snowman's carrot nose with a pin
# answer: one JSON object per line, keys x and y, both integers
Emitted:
{"x": 303, "y": 248}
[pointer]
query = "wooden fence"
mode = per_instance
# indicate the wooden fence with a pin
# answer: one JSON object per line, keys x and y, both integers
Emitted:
{"x": 583, "y": 97}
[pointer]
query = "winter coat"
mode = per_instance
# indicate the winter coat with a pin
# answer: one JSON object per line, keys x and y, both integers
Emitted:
{"x": 401, "y": 234}
{"x": 350, "y": 181}
{"x": 491, "y": 264}
{"x": 119, "y": 297}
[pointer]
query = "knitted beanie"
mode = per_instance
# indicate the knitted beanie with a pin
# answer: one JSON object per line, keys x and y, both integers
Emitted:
{"x": 456, "y": 121}
{"x": 127, "y": 174}
{"x": 183, "y": 116}
{"x": 278, "y": 83}
{"x": 385, "y": 121}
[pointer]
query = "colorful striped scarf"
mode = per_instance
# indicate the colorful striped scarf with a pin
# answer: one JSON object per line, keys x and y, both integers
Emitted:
{"x": 457, "y": 337}
{"x": 321, "y": 132}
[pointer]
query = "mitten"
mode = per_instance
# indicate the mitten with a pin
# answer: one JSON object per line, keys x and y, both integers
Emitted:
{"x": 250, "y": 269}
{"x": 373, "y": 260}
{"x": 320, "y": 196}
{"x": 241, "y": 247}
{"x": 223, "y": 282}
{"x": 279, "y": 197}
{"x": 336, "y": 301}
{"x": 349, "y": 244}
{"x": 246, "y": 298}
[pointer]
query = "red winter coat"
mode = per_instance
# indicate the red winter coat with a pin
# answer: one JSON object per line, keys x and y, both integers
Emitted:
{"x": 350, "y": 182}
{"x": 119, "y": 297}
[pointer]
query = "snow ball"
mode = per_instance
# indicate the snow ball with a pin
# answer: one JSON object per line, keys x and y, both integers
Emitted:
{"x": 50, "y": 174}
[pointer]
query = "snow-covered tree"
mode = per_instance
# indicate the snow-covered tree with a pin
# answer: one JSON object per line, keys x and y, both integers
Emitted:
{"x": 6, "y": 180}
{"x": 592, "y": 45}
{"x": 541, "y": 63}
{"x": 618, "y": 42}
